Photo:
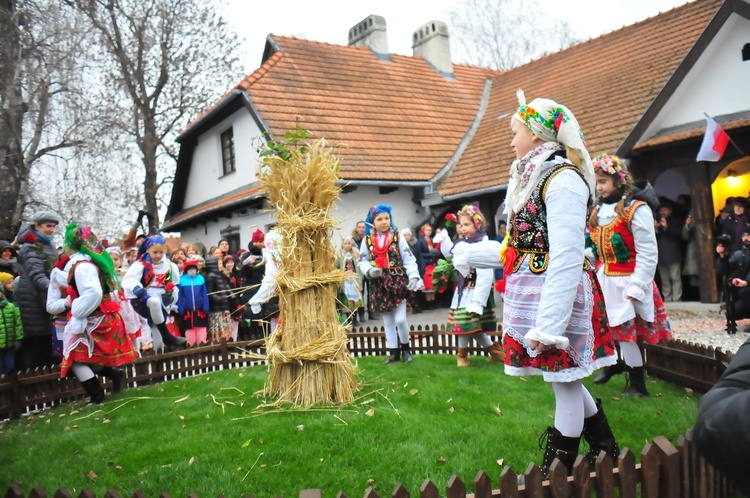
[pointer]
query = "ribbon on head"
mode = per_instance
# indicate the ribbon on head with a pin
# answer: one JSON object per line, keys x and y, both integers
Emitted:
{"x": 474, "y": 214}
{"x": 613, "y": 166}
{"x": 83, "y": 240}
{"x": 150, "y": 241}
{"x": 553, "y": 122}
{"x": 373, "y": 213}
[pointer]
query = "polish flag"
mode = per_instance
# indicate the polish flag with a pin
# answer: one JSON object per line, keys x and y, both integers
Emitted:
{"x": 715, "y": 142}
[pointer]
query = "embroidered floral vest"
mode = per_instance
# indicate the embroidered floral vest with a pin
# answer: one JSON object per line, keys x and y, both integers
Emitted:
{"x": 528, "y": 227}
{"x": 615, "y": 244}
{"x": 107, "y": 305}
{"x": 393, "y": 256}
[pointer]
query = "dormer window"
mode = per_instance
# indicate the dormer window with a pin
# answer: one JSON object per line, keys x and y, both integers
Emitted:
{"x": 227, "y": 151}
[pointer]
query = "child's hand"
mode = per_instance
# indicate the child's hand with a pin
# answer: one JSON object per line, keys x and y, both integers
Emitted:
{"x": 414, "y": 284}
{"x": 68, "y": 302}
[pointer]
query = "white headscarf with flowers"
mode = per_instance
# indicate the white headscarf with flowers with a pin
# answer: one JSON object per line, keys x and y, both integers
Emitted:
{"x": 559, "y": 129}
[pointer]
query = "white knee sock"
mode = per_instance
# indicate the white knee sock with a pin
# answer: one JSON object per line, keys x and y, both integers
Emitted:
{"x": 389, "y": 324}
{"x": 631, "y": 354}
{"x": 589, "y": 405}
{"x": 399, "y": 318}
{"x": 82, "y": 371}
{"x": 569, "y": 407}
{"x": 154, "y": 308}
{"x": 482, "y": 339}
{"x": 463, "y": 341}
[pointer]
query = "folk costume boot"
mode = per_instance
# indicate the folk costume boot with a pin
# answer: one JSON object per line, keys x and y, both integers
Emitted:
{"x": 168, "y": 338}
{"x": 116, "y": 375}
{"x": 558, "y": 446}
{"x": 94, "y": 390}
{"x": 636, "y": 385}
{"x": 406, "y": 353}
{"x": 395, "y": 356}
{"x": 598, "y": 435}
{"x": 462, "y": 357}
{"x": 608, "y": 372}
{"x": 497, "y": 353}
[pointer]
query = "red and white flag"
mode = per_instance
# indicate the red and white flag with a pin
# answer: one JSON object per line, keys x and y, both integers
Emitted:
{"x": 715, "y": 142}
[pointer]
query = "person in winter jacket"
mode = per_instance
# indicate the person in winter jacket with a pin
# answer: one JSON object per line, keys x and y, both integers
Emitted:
{"x": 36, "y": 257}
{"x": 221, "y": 300}
{"x": 11, "y": 334}
{"x": 252, "y": 270}
{"x": 721, "y": 433}
{"x": 8, "y": 258}
{"x": 193, "y": 304}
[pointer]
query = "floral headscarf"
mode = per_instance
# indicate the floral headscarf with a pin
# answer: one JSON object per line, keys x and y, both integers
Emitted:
{"x": 83, "y": 240}
{"x": 373, "y": 213}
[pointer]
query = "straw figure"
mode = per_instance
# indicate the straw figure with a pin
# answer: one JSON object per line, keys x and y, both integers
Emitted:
{"x": 310, "y": 362}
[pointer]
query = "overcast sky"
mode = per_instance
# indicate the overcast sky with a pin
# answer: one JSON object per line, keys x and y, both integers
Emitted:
{"x": 330, "y": 20}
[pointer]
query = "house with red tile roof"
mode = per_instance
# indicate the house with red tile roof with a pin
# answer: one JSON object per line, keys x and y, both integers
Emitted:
{"x": 426, "y": 135}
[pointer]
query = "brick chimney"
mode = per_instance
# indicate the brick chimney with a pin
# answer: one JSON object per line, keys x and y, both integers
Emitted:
{"x": 432, "y": 43}
{"x": 370, "y": 33}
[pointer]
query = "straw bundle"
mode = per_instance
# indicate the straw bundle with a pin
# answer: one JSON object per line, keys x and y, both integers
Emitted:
{"x": 310, "y": 363}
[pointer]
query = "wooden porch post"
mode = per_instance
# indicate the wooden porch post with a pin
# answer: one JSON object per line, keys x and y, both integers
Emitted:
{"x": 703, "y": 215}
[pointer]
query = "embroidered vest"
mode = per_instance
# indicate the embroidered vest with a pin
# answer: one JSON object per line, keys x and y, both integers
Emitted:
{"x": 615, "y": 244}
{"x": 528, "y": 227}
{"x": 393, "y": 255}
{"x": 102, "y": 281}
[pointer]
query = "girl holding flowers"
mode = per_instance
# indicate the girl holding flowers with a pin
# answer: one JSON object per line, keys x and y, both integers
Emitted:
{"x": 388, "y": 263}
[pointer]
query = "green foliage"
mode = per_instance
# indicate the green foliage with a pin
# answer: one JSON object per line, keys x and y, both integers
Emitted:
{"x": 293, "y": 140}
{"x": 210, "y": 435}
{"x": 443, "y": 273}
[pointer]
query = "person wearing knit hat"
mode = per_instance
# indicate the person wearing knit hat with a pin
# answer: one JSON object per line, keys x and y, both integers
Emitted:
{"x": 622, "y": 243}
{"x": 193, "y": 304}
{"x": 151, "y": 285}
{"x": 393, "y": 277}
{"x": 257, "y": 238}
{"x": 95, "y": 338}
{"x": 554, "y": 318}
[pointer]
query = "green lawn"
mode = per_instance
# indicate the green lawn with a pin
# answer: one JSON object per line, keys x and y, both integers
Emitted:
{"x": 208, "y": 435}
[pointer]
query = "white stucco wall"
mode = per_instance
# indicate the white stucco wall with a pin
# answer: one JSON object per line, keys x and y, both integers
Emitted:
{"x": 717, "y": 84}
{"x": 206, "y": 177}
{"x": 351, "y": 208}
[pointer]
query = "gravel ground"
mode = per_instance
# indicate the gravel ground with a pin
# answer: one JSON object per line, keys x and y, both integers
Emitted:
{"x": 707, "y": 328}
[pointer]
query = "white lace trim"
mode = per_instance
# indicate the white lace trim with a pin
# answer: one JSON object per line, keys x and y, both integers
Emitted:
{"x": 567, "y": 375}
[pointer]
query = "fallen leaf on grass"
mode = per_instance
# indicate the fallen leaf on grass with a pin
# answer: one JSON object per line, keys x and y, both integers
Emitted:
{"x": 181, "y": 417}
{"x": 105, "y": 421}
{"x": 498, "y": 410}
{"x": 48, "y": 421}
{"x": 191, "y": 461}
{"x": 263, "y": 466}
{"x": 91, "y": 475}
{"x": 500, "y": 462}
{"x": 322, "y": 460}
{"x": 413, "y": 392}
{"x": 166, "y": 466}
{"x": 406, "y": 384}
{"x": 615, "y": 398}
{"x": 370, "y": 481}
{"x": 449, "y": 400}
{"x": 62, "y": 415}
{"x": 246, "y": 443}
{"x": 451, "y": 409}
{"x": 260, "y": 441}
{"x": 688, "y": 391}
{"x": 370, "y": 412}
{"x": 208, "y": 417}
{"x": 522, "y": 379}
{"x": 301, "y": 427}
{"x": 441, "y": 459}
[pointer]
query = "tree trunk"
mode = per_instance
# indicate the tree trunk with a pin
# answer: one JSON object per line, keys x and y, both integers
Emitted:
{"x": 11, "y": 115}
{"x": 149, "y": 146}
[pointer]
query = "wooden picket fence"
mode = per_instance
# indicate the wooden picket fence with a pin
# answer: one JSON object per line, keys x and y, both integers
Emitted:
{"x": 665, "y": 470}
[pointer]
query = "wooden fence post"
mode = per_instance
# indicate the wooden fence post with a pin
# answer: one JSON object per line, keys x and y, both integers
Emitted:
{"x": 669, "y": 468}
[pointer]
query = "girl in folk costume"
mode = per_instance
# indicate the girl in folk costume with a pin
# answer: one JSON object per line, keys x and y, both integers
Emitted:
{"x": 351, "y": 292}
{"x": 472, "y": 311}
{"x": 95, "y": 338}
{"x": 58, "y": 303}
{"x": 267, "y": 291}
{"x": 192, "y": 304}
{"x": 554, "y": 318}
{"x": 134, "y": 323}
{"x": 151, "y": 285}
{"x": 389, "y": 265}
{"x": 624, "y": 248}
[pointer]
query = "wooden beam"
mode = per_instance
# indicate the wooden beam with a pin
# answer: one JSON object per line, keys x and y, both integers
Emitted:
{"x": 703, "y": 214}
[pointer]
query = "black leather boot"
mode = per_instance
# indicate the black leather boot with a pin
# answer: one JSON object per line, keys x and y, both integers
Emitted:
{"x": 394, "y": 357}
{"x": 117, "y": 376}
{"x": 406, "y": 353}
{"x": 608, "y": 372}
{"x": 636, "y": 385}
{"x": 94, "y": 389}
{"x": 168, "y": 338}
{"x": 558, "y": 446}
{"x": 598, "y": 435}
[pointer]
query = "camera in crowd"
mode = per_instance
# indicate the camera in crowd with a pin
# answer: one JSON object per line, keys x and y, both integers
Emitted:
{"x": 724, "y": 240}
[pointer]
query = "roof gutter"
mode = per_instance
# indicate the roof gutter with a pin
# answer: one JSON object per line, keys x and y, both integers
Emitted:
{"x": 475, "y": 193}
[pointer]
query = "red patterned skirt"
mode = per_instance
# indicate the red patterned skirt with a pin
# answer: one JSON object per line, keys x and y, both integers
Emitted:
{"x": 650, "y": 332}
{"x": 112, "y": 345}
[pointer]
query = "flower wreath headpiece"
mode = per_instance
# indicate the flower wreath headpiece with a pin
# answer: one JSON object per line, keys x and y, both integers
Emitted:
{"x": 473, "y": 213}
{"x": 611, "y": 165}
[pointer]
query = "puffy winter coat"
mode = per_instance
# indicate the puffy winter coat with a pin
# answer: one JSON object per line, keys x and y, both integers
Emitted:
{"x": 35, "y": 261}
{"x": 216, "y": 281}
{"x": 11, "y": 329}
{"x": 721, "y": 432}
{"x": 193, "y": 294}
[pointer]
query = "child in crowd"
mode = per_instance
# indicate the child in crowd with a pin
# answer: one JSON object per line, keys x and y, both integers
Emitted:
{"x": 151, "y": 285}
{"x": 389, "y": 265}
{"x": 554, "y": 317}
{"x": 11, "y": 334}
{"x": 95, "y": 337}
{"x": 472, "y": 311}
{"x": 235, "y": 282}
{"x": 623, "y": 243}
{"x": 430, "y": 255}
{"x": 58, "y": 303}
{"x": 115, "y": 252}
{"x": 253, "y": 268}
{"x": 192, "y": 304}
{"x": 220, "y": 300}
{"x": 351, "y": 291}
